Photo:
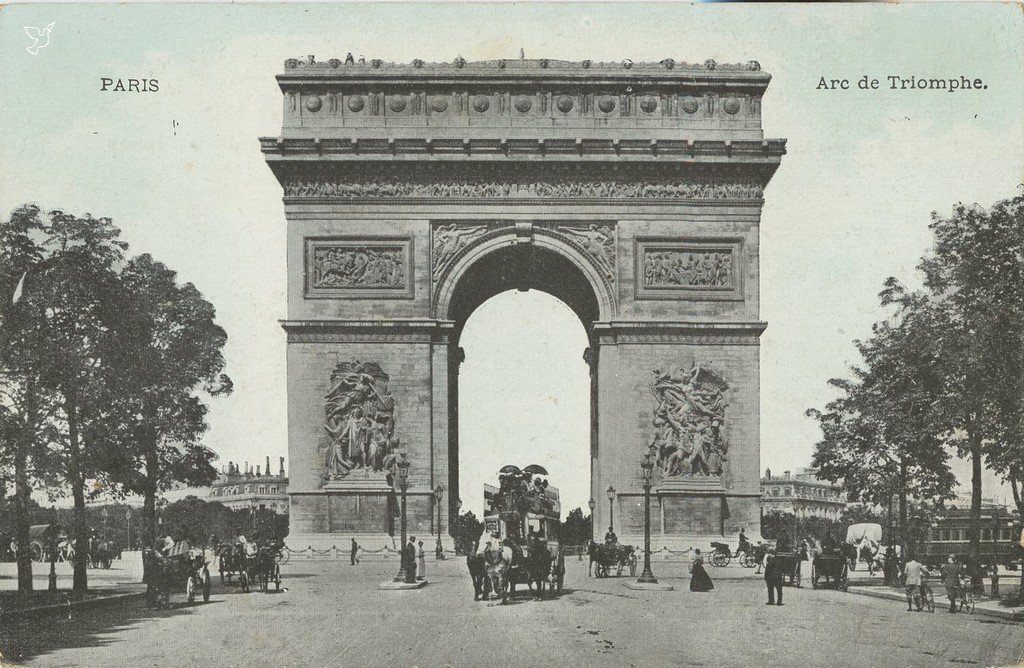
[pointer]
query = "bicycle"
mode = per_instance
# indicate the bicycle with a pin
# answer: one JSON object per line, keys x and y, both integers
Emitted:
{"x": 922, "y": 597}
{"x": 966, "y": 598}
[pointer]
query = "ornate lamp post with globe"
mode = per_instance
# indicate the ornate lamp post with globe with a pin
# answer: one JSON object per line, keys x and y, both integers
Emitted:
{"x": 647, "y": 466}
{"x": 647, "y": 579}
{"x": 438, "y": 495}
{"x": 592, "y": 505}
{"x": 402, "y": 478}
{"x": 611, "y": 508}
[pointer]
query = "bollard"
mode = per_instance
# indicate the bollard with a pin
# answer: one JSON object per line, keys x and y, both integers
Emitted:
{"x": 995, "y": 580}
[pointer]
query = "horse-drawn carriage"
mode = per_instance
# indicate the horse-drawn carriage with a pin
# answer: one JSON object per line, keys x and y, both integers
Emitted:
{"x": 789, "y": 564}
{"x": 520, "y": 546}
{"x": 833, "y": 568}
{"x": 604, "y": 557}
{"x": 184, "y": 568}
{"x": 749, "y": 557}
{"x": 49, "y": 542}
{"x": 252, "y": 562}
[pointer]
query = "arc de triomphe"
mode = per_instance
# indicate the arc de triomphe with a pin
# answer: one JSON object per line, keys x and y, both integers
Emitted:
{"x": 630, "y": 191}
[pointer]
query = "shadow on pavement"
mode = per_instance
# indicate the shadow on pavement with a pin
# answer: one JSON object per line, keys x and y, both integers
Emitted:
{"x": 26, "y": 638}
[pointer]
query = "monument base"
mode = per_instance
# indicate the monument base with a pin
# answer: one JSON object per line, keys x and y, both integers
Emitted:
{"x": 419, "y": 584}
{"x": 647, "y": 586}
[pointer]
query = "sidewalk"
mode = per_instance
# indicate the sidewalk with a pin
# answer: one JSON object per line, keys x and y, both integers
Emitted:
{"x": 987, "y": 607}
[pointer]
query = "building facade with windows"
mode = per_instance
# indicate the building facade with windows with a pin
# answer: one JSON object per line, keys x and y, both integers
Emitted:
{"x": 251, "y": 488}
{"x": 801, "y": 494}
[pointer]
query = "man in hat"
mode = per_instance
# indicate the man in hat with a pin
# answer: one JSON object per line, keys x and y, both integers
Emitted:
{"x": 773, "y": 578}
{"x": 409, "y": 557}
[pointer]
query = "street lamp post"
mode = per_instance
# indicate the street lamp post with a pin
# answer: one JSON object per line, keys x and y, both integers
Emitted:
{"x": 438, "y": 495}
{"x": 647, "y": 465}
{"x": 611, "y": 508}
{"x": 403, "y": 485}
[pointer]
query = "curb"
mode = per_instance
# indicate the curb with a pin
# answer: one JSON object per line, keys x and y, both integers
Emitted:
{"x": 70, "y": 605}
{"x": 1012, "y": 614}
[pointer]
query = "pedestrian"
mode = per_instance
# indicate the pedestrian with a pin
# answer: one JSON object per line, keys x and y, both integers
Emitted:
{"x": 409, "y": 556}
{"x": 773, "y": 578}
{"x": 699, "y": 578}
{"x": 913, "y": 575}
{"x": 951, "y": 580}
{"x": 421, "y": 561}
{"x": 354, "y": 556}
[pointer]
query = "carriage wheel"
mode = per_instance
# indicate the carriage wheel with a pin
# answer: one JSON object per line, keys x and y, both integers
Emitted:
{"x": 206, "y": 585}
{"x": 190, "y": 589}
{"x": 718, "y": 559}
{"x": 36, "y": 550}
{"x": 747, "y": 560}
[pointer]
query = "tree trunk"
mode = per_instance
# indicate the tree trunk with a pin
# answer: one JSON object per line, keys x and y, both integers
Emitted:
{"x": 974, "y": 439}
{"x": 80, "y": 581}
{"x": 149, "y": 495}
{"x": 21, "y": 519}
{"x": 903, "y": 509}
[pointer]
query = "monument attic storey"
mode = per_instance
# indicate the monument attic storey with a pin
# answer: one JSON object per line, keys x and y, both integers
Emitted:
{"x": 415, "y": 192}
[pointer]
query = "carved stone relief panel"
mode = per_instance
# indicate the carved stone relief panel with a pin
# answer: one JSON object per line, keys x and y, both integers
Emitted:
{"x": 696, "y": 269}
{"x": 353, "y": 268}
{"x": 689, "y": 421}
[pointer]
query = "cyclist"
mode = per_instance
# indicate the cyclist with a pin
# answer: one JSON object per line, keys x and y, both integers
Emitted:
{"x": 913, "y": 578}
{"x": 951, "y": 573}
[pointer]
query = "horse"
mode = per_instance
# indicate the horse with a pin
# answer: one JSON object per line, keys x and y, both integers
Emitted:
{"x": 869, "y": 553}
{"x": 159, "y": 576}
{"x": 478, "y": 572}
{"x": 610, "y": 555}
{"x": 498, "y": 562}
{"x": 538, "y": 567}
{"x": 557, "y": 576}
{"x": 849, "y": 551}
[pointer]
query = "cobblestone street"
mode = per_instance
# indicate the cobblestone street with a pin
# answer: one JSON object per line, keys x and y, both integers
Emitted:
{"x": 333, "y": 614}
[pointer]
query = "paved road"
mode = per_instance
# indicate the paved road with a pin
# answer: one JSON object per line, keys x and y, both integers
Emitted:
{"x": 333, "y": 614}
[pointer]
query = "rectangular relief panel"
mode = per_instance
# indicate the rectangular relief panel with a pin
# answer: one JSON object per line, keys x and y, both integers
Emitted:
{"x": 359, "y": 268}
{"x": 697, "y": 269}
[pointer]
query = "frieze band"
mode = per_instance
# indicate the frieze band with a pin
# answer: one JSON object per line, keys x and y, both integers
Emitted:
{"x": 605, "y": 189}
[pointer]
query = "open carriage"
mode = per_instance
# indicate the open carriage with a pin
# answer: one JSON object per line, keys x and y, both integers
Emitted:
{"x": 789, "y": 564}
{"x": 49, "y": 542}
{"x": 830, "y": 570}
{"x": 183, "y": 569}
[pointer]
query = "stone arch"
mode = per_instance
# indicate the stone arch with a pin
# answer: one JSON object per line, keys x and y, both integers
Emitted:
{"x": 525, "y": 261}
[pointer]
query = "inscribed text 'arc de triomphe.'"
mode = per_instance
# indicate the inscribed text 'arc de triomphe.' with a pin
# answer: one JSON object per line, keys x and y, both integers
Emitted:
{"x": 415, "y": 192}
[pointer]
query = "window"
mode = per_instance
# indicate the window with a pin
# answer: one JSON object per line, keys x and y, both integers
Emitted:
{"x": 986, "y": 534}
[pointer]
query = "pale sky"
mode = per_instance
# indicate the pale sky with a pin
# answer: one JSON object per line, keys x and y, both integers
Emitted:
{"x": 181, "y": 173}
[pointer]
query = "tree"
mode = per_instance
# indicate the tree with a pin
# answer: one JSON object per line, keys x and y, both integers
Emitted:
{"x": 168, "y": 349}
{"x": 882, "y": 437}
{"x": 21, "y": 253}
{"x": 974, "y": 278}
{"x": 576, "y": 528}
{"x": 71, "y": 318}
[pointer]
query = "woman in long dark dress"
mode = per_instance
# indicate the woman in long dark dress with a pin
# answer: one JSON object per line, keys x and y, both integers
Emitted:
{"x": 699, "y": 578}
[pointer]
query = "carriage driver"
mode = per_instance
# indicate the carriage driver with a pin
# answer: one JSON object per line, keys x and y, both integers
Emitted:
{"x": 610, "y": 538}
{"x": 744, "y": 545}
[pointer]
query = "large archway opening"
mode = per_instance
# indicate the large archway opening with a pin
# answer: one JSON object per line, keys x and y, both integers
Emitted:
{"x": 523, "y": 393}
{"x": 524, "y": 396}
